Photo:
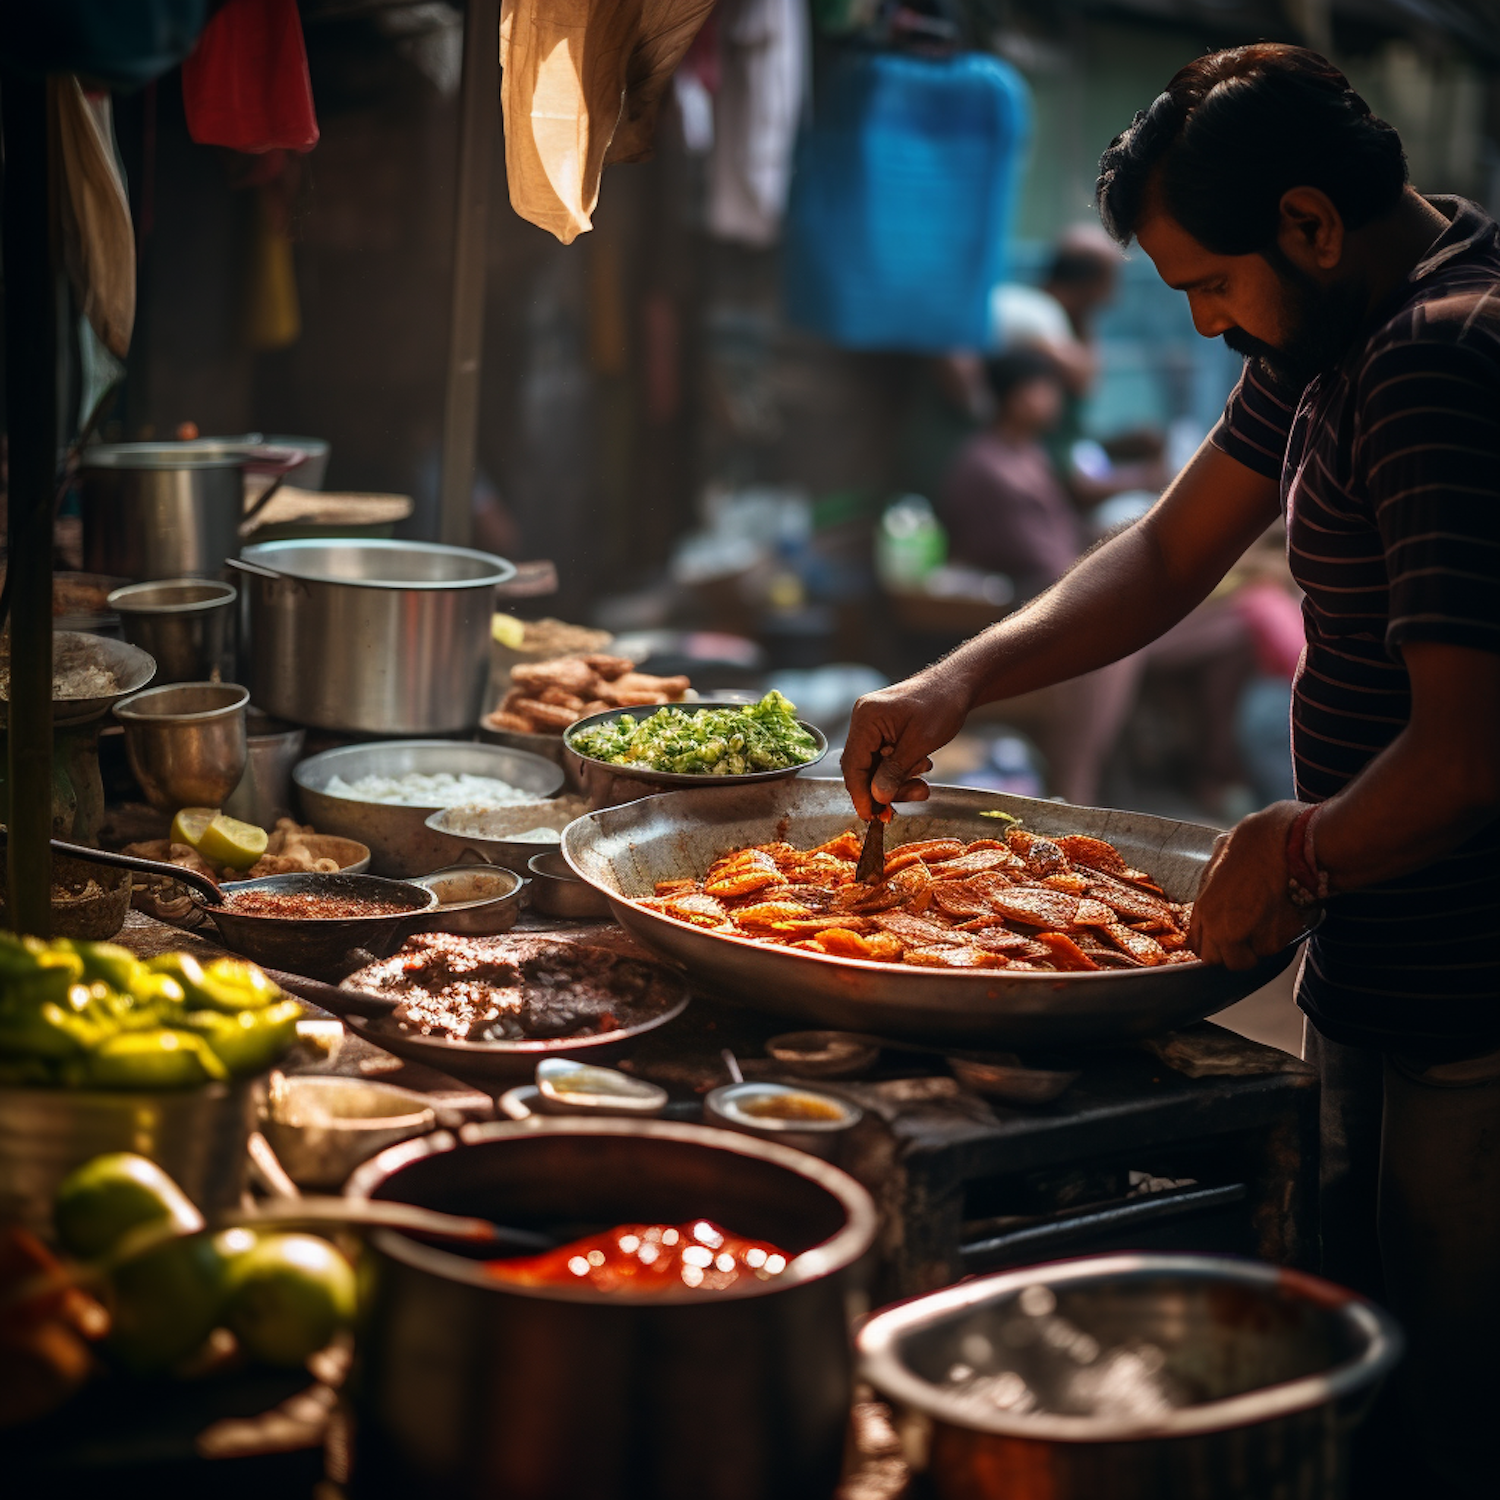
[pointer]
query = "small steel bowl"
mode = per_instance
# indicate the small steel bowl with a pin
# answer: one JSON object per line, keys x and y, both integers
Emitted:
{"x": 322, "y": 1127}
{"x": 474, "y": 900}
{"x": 823, "y": 1054}
{"x": 808, "y": 1119}
{"x": 186, "y": 742}
{"x": 557, "y": 892}
{"x": 470, "y": 833}
{"x": 1005, "y": 1079}
{"x": 184, "y": 623}
{"x": 566, "y": 1087}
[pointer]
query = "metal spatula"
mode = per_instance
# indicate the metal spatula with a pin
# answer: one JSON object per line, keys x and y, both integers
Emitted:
{"x": 871, "y": 866}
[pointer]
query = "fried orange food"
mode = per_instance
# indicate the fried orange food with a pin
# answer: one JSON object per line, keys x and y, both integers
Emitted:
{"x": 545, "y": 697}
{"x": 1066, "y": 905}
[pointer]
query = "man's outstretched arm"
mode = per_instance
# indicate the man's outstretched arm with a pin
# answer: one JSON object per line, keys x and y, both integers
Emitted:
{"x": 1120, "y": 597}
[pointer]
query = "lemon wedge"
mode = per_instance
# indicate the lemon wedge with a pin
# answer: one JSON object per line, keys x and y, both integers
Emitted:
{"x": 227, "y": 841}
{"x": 220, "y": 840}
{"x": 191, "y": 823}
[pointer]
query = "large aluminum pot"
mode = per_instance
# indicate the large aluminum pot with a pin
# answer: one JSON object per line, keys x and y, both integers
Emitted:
{"x": 371, "y": 637}
{"x": 198, "y": 1136}
{"x": 468, "y": 1388}
{"x": 1134, "y": 1377}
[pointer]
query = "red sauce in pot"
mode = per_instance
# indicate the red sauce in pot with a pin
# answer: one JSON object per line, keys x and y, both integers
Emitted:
{"x": 646, "y": 1259}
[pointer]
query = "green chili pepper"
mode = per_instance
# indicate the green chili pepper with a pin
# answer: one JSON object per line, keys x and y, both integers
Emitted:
{"x": 117, "y": 967}
{"x": 159, "y": 1059}
{"x": 235, "y": 979}
{"x": 251, "y": 1040}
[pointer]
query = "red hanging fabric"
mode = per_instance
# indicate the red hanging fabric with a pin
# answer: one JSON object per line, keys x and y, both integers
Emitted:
{"x": 246, "y": 84}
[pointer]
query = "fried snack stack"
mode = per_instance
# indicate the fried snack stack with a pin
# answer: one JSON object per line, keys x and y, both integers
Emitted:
{"x": 545, "y": 697}
{"x": 1068, "y": 904}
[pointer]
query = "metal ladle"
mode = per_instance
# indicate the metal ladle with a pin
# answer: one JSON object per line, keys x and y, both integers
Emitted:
{"x": 201, "y": 884}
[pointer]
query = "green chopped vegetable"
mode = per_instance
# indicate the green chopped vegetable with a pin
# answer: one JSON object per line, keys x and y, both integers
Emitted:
{"x": 994, "y": 812}
{"x": 736, "y": 741}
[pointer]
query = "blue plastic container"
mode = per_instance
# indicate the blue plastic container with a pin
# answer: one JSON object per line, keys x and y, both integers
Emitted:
{"x": 902, "y": 199}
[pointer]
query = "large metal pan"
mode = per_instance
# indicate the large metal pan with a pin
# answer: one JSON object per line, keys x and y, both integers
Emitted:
{"x": 624, "y": 850}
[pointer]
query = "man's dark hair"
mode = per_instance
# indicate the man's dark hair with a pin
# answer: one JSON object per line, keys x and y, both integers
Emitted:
{"x": 1233, "y": 132}
{"x": 1017, "y": 367}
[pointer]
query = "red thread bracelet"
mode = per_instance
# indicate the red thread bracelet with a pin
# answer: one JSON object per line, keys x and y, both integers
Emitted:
{"x": 1307, "y": 885}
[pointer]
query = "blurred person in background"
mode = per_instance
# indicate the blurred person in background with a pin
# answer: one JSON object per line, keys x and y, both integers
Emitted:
{"x": 953, "y": 399}
{"x": 1059, "y": 317}
{"x": 1006, "y": 511}
{"x": 1368, "y": 416}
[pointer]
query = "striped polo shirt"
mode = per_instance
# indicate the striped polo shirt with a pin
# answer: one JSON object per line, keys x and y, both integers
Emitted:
{"x": 1389, "y": 466}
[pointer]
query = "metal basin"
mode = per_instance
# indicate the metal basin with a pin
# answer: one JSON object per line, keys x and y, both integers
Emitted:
{"x": 624, "y": 851}
{"x": 186, "y": 743}
{"x": 469, "y": 1388}
{"x": 371, "y": 637}
{"x": 197, "y": 1135}
{"x": 1135, "y": 1377}
{"x": 398, "y": 838}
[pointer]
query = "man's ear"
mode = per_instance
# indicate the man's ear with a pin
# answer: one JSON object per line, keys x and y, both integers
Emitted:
{"x": 1311, "y": 229}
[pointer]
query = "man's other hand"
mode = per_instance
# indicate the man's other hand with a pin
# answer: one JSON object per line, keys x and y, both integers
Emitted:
{"x": 1243, "y": 912}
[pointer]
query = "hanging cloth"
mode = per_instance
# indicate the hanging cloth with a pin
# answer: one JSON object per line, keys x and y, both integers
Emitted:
{"x": 246, "y": 85}
{"x": 763, "y": 60}
{"x": 93, "y": 211}
{"x": 581, "y": 84}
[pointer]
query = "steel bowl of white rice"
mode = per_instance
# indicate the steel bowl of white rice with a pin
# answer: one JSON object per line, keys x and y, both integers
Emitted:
{"x": 506, "y": 836}
{"x": 383, "y": 794}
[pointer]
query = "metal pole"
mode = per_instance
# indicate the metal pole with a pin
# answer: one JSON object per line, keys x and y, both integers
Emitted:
{"x": 31, "y": 398}
{"x": 479, "y": 124}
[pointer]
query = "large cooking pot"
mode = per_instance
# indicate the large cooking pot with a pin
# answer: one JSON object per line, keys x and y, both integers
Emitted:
{"x": 1133, "y": 1377}
{"x": 370, "y": 637}
{"x": 170, "y": 510}
{"x": 466, "y": 1388}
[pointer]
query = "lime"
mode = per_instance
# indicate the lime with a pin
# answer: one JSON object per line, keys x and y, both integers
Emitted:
{"x": 227, "y": 841}
{"x": 288, "y": 1296}
{"x": 191, "y": 823}
{"x": 166, "y": 1302}
{"x": 103, "y": 1200}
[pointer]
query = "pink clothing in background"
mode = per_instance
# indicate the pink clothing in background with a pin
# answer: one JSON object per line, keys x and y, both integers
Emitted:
{"x": 1273, "y": 619}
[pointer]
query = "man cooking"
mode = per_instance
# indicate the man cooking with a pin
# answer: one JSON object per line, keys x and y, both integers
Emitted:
{"x": 1368, "y": 415}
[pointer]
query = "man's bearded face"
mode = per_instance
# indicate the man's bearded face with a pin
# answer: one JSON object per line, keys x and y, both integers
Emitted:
{"x": 1319, "y": 324}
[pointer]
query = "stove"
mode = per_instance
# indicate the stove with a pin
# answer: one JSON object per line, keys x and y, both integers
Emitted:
{"x": 1196, "y": 1141}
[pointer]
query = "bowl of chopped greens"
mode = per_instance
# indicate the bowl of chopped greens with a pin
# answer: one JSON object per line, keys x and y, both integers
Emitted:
{"x": 690, "y": 744}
